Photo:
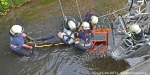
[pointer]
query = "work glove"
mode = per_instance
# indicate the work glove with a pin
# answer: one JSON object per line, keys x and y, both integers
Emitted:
{"x": 76, "y": 42}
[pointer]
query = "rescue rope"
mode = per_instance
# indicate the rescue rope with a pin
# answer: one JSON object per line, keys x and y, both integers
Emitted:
{"x": 61, "y": 9}
{"x": 111, "y": 13}
{"x": 123, "y": 9}
{"x": 138, "y": 21}
{"x": 78, "y": 10}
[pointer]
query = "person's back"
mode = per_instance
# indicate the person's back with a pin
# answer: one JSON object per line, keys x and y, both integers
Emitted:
{"x": 70, "y": 23}
{"x": 16, "y": 42}
{"x": 88, "y": 15}
{"x": 84, "y": 37}
{"x": 91, "y": 18}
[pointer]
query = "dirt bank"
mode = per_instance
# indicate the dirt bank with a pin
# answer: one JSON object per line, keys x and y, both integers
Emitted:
{"x": 37, "y": 10}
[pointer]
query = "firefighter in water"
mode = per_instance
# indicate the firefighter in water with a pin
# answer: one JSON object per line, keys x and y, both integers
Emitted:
{"x": 90, "y": 17}
{"x": 70, "y": 23}
{"x": 84, "y": 37}
{"x": 17, "y": 43}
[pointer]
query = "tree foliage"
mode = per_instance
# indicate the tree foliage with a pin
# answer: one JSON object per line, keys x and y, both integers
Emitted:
{"x": 6, "y": 4}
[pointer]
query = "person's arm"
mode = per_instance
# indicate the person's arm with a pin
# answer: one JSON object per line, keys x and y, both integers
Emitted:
{"x": 27, "y": 37}
{"x": 27, "y": 46}
{"x": 80, "y": 28}
{"x": 24, "y": 35}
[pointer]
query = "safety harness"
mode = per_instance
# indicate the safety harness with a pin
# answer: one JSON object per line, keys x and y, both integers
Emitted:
{"x": 68, "y": 37}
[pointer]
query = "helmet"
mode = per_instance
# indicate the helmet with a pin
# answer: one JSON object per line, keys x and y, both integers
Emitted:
{"x": 134, "y": 28}
{"x": 94, "y": 20}
{"x": 72, "y": 25}
{"x": 16, "y": 29}
{"x": 85, "y": 25}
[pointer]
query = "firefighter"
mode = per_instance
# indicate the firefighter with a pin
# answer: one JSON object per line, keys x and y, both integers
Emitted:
{"x": 70, "y": 23}
{"x": 17, "y": 43}
{"x": 65, "y": 36}
{"x": 91, "y": 19}
{"x": 84, "y": 37}
{"x": 136, "y": 32}
{"x": 135, "y": 35}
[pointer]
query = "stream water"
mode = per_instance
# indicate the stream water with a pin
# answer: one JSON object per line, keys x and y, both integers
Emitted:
{"x": 54, "y": 60}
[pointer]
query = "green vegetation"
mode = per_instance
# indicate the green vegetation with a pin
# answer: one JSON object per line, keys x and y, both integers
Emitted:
{"x": 6, "y": 4}
{"x": 104, "y": 3}
{"x": 110, "y": 5}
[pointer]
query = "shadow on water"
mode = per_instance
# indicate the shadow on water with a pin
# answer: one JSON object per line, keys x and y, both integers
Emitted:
{"x": 54, "y": 60}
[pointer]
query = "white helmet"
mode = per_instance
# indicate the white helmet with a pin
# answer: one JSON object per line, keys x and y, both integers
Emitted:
{"x": 16, "y": 29}
{"x": 94, "y": 20}
{"x": 85, "y": 25}
{"x": 72, "y": 25}
{"x": 134, "y": 28}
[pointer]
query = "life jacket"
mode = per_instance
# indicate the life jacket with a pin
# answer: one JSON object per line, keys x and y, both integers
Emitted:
{"x": 68, "y": 37}
{"x": 88, "y": 15}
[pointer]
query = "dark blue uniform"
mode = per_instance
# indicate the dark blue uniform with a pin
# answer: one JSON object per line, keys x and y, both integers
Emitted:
{"x": 87, "y": 18}
{"x": 138, "y": 36}
{"x": 84, "y": 35}
{"x": 85, "y": 40}
{"x": 16, "y": 43}
{"x": 69, "y": 18}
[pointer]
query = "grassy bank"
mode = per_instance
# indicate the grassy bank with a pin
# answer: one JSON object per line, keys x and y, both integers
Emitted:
{"x": 110, "y": 5}
{"x": 36, "y": 10}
